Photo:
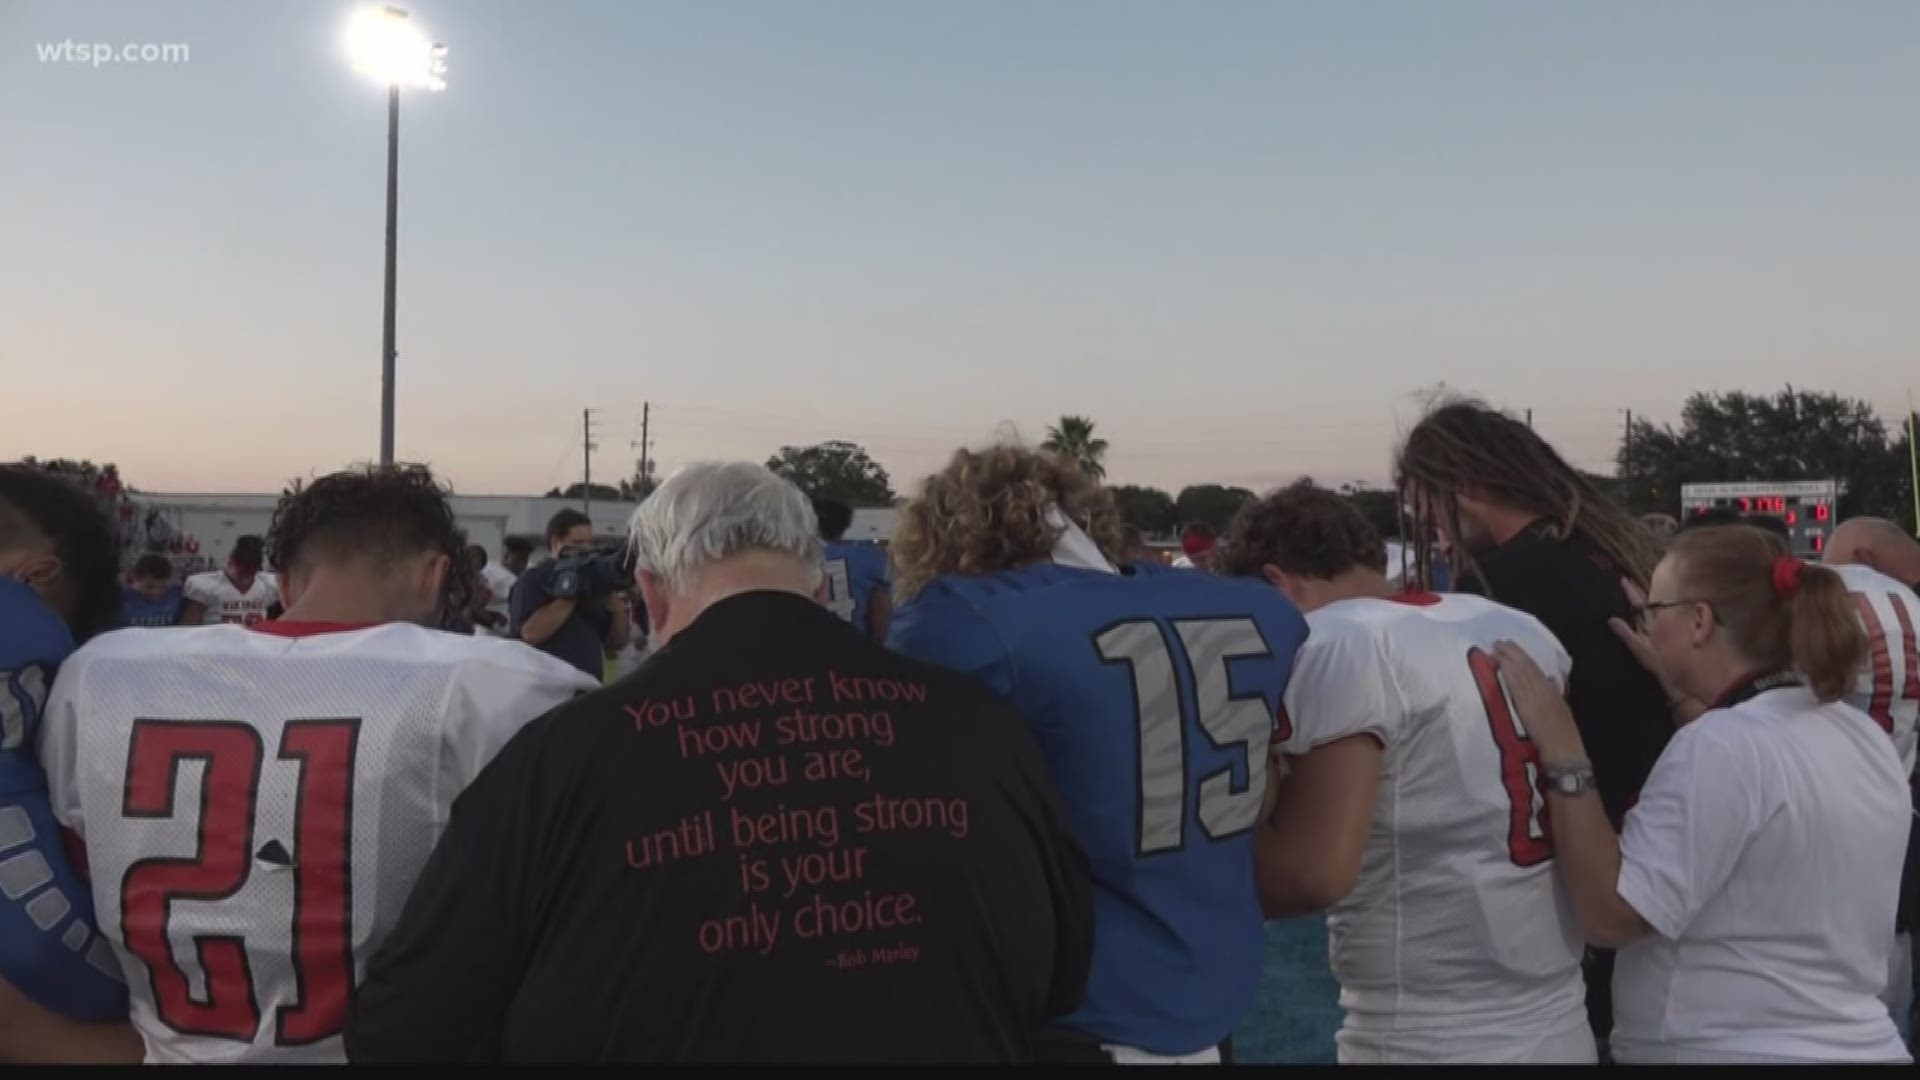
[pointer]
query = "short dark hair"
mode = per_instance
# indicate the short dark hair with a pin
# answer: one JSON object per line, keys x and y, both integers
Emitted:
{"x": 1775, "y": 525}
{"x": 382, "y": 512}
{"x": 1131, "y": 537}
{"x": 153, "y": 568}
{"x": 565, "y": 522}
{"x": 38, "y": 507}
{"x": 249, "y": 552}
{"x": 1302, "y": 529}
{"x": 835, "y": 517}
{"x": 517, "y": 545}
{"x": 479, "y": 552}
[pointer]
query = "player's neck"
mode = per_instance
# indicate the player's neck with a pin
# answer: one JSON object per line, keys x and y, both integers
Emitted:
{"x": 1906, "y": 570}
{"x": 1358, "y": 583}
{"x": 750, "y": 572}
{"x": 331, "y": 596}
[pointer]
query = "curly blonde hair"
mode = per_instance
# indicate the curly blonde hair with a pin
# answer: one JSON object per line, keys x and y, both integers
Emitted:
{"x": 986, "y": 512}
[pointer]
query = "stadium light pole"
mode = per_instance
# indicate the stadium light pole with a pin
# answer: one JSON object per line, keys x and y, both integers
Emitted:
{"x": 385, "y": 47}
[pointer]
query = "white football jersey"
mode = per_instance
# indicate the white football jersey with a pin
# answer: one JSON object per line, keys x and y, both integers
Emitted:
{"x": 225, "y": 603}
{"x": 499, "y": 581}
{"x": 1889, "y": 685}
{"x": 1456, "y": 942}
{"x": 256, "y": 806}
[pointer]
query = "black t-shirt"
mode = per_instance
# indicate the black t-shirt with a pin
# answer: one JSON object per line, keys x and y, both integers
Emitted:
{"x": 775, "y": 841}
{"x": 1617, "y": 704}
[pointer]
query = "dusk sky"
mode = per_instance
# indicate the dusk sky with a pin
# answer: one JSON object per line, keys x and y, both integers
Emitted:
{"x": 1239, "y": 235}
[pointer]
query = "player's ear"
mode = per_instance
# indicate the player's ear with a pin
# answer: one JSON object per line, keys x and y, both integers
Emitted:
{"x": 433, "y": 574}
{"x": 38, "y": 572}
{"x": 43, "y": 574}
{"x": 1275, "y": 576}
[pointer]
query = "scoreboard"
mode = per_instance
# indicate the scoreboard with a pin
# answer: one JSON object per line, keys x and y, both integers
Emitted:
{"x": 1809, "y": 507}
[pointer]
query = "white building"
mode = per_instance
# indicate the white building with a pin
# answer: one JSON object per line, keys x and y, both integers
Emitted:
{"x": 200, "y": 529}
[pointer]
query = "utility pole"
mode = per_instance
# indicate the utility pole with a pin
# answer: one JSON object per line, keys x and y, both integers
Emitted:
{"x": 1529, "y": 419}
{"x": 1626, "y": 463}
{"x": 387, "y": 353}
{"x": 645, "y": 408}
{"x": 644, "y": 444}
{"x": 587, "y": 447}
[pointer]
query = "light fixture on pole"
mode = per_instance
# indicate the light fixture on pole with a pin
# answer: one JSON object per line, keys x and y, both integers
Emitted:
{"x": 385, "y": 47}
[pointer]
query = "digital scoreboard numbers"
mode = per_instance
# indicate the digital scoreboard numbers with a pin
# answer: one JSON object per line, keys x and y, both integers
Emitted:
{"x": 1810, "y": 508}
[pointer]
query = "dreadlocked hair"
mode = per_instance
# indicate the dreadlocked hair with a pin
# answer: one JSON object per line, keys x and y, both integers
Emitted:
{"x": 986, "y": 512}
{"x": 1464, "y": 446}
{"x": 381, "y": 512}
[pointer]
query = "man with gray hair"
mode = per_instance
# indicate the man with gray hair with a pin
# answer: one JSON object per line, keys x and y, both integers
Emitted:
{"x": 775, "y": 841}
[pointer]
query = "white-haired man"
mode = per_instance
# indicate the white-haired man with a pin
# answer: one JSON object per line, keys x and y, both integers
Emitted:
{"x": 776, "y": 841}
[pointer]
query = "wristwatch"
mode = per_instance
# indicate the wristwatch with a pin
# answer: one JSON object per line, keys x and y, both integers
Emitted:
{"x": 1572, "y": 778}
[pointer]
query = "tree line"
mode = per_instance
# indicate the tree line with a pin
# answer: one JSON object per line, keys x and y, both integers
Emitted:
{"x": 1725, "y": 436}
{"x": 1720, "y": 436}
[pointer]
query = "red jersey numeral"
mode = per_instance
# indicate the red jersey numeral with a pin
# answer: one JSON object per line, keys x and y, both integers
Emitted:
{"x": 1528, "y": 840}
{"x": 1880, "y": 704}
{"x": 223, "y": 860}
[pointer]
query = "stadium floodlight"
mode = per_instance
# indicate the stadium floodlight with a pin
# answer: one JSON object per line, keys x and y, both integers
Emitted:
{"x": 384, "y": 46}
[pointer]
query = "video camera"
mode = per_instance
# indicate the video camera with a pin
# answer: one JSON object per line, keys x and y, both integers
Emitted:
{"x": 589, "y": 573}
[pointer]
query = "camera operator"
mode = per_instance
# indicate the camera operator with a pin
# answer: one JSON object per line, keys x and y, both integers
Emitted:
{"x": 566, "y": 607}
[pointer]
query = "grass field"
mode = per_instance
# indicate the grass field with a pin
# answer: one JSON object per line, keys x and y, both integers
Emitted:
{"x": 1298, "y": 1008}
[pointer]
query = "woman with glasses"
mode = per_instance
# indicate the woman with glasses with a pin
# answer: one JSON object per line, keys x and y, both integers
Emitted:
{"x": 1752, "y": 891}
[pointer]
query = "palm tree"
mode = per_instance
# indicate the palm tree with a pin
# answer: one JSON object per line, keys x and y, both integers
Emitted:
{"x": 1073, "y": 439}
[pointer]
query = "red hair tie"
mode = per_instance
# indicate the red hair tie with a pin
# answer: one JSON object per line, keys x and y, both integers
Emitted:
{"x": 1786, "y": 575}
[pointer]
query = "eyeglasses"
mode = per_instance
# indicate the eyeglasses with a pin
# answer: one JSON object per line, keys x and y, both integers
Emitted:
{"x": 1641, "y": 611}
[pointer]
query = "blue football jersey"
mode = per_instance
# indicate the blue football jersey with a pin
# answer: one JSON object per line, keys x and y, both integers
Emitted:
{"x": 854, "y": 569}
{"x": 137, "y": 610}
{"x": 49, "y": 947}
{"x": 1154, "y": 696}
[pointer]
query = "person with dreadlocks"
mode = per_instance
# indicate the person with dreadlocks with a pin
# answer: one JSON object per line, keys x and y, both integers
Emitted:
{"x": 1527, "y": 530}
{"x": 1448, "y": 934}
{"x": 1153, "y": 693}
{"x": 308, "y": 763}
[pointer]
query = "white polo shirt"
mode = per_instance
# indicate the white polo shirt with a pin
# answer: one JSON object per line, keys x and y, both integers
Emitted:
{"x": 1765, "y": 852}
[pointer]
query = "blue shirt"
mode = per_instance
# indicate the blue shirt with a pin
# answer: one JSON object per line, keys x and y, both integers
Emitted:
{"x": 49, "y": 948}
{"x": 580, "y": 640}
{"x": 854, "y": 569}
{"x": 1153, "y": 695}
{"x": 137, "y": 610}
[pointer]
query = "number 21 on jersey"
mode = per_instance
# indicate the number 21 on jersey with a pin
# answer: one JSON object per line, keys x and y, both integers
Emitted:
{"x": 321, "y": 862}
{"x": 1228, "y": 720}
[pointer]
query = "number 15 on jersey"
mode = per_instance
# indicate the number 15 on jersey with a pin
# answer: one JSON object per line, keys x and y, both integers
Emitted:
{"x": 1239, "y": 723}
